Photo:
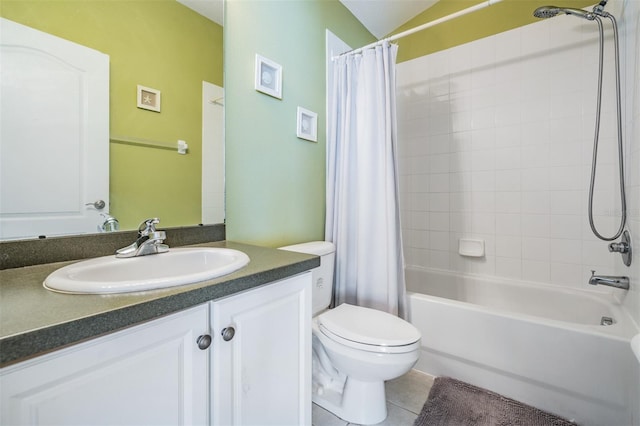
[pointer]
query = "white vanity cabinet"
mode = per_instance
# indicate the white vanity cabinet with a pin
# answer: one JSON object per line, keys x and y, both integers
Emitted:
{"x": 156, "y": 373}
{"x": 261, "y": 362}
{"x": 150, "y": 374}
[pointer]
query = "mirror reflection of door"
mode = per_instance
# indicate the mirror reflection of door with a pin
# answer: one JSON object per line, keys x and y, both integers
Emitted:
{"x": 54, "y": 134}
{"x": 212, "y": 153}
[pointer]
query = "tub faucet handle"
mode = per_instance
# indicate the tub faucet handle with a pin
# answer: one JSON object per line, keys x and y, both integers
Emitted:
{"x": 620, "y": 247}
{"x": 623, "y": 247}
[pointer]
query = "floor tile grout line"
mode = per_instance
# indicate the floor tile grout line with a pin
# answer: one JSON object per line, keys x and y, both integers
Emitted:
{"x": 403, "y": 408}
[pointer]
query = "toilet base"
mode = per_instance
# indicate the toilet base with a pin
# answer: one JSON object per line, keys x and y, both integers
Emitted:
{"x": 361, "y": 402}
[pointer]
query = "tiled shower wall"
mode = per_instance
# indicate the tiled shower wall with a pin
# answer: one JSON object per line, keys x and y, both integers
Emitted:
{"x": 631, "y": 37}
{"x": 495, "y": 142}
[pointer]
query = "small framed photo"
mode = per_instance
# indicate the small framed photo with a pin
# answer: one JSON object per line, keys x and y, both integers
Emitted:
{"x": 148, "y": 98}
{"x": 307, "y": 125}
{"x": 268, "y": 77}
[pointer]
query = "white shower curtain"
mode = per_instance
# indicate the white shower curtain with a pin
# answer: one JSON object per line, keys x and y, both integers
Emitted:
{"x": 363, "y": 218}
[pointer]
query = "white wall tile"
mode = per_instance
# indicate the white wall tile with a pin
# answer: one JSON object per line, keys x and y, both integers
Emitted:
{"x": 536, "y": 271}
{"x": 461, "y": 120}
{"x": 508, "y": 180}
{"x": 460, "y": 202}
{"x": 483, "y": 118}
{"x": 535, "y": 131}
{"x": 565, "y": 274}
{"x": 596, "y": 254}
{"x": 535, "y": 179}
{"x": 508, "y": 202}
{"x": 535, "y": 225}
{"x": 483, "y": 180}
{"x": 439, "y": 182}
{"x": 534, "y": 248}
{"x": 535, "y": 156}
{"x": 509, "y": 246}
{"x": 483, "y": 139}
{"x": 483, "y": 201}
{"x": 459, "y": 182}
{"x": 507, "y": 158}
{"x": 565, "y": 226}
{"x": 567, "y": 202}
{"x": 483, "y": 223}
{"x": 507, "y": 114}
{"x": 508, "y": 224}
{"x": 567, "y": 178}
{"x": 439, "y": 163}
{"x": 439, "y": 259}
{"x": 535, "y": 202}
{"x": 507, "y": 267}
{"x": 566, "y": 251}
{"x": 439, "y": 221}
{"x": 495, "y": 139}
{"x": 438, "y": 202}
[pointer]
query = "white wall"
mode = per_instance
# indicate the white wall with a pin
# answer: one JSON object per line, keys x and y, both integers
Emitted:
{"x": 495, "y": 140}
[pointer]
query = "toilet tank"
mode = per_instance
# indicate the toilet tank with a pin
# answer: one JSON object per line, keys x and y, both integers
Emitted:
{"x": 322, "y": 275}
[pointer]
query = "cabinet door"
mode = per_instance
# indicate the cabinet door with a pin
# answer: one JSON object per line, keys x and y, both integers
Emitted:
{"x": 150, "y": 374}
{"x": 262, "y": 375}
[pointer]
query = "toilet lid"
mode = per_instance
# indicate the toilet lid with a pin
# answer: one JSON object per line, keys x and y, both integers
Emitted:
{"x": 368, "y": 326}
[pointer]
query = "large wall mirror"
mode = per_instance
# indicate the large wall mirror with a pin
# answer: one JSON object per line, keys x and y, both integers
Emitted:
{"x": 169, "y": 48}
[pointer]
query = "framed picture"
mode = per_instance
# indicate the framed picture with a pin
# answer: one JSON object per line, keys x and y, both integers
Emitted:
{"x": 307, "y": 125}
{"x": 268, "y": 77}
{"x": 148, "y": 98}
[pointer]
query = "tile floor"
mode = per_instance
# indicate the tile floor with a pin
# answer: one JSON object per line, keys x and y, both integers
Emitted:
{"x": 405, "y": 397}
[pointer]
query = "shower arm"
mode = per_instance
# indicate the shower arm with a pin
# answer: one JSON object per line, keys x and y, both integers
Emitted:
{"x": 599, "y": 8}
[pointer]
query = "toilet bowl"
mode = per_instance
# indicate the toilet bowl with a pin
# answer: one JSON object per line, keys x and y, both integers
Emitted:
{"x": 355, "y": 349}
{"x": 357, "y": 346}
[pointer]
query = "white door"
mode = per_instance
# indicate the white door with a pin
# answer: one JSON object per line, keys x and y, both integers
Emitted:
{"x": 54, "y": 134}
{"x": 261, "y": 375}
{"x": 152, "y": 374}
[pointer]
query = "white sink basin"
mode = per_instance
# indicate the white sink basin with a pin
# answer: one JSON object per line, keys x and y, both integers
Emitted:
{"x": 178, "y": 266}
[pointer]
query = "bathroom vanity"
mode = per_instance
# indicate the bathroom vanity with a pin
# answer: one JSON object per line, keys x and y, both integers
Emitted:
{"x": 233, "y": 350}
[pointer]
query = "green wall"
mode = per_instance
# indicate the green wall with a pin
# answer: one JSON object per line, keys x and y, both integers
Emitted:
{"x": 160, "y": 44}
{"x": 275, "y": 182}
{"x": 500, "y": 17}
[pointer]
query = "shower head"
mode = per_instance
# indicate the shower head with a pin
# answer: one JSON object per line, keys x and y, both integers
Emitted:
{"x": 551, "y": 11}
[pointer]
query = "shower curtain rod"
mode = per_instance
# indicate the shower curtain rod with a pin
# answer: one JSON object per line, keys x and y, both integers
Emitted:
{"x": 424, "y": 26}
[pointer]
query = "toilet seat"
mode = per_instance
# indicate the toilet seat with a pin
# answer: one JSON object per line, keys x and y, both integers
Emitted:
{"x": 368, "y": 329}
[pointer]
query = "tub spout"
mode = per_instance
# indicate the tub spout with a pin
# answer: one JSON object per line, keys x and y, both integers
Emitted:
{"x": 610, "y": 280}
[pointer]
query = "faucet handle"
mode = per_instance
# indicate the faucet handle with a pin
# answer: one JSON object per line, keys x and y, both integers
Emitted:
{"x": 621, "y": 247}
{"x": 148, "y": 226}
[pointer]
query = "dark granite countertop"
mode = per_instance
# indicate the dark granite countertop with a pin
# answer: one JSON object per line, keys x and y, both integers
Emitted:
{"x": 34, "y": 320}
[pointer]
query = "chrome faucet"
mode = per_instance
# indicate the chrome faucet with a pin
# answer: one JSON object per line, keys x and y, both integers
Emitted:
{"x": 150, "y": 241}
{"x": 611, "y": 281}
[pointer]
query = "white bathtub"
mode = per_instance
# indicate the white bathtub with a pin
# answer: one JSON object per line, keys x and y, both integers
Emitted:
{"x": 538, "y": 344}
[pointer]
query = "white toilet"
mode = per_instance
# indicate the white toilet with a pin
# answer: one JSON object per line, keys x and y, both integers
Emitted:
{"x": 355, "y": 349}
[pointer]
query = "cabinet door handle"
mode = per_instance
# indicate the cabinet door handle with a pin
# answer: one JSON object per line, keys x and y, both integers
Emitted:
{"x": 228, "y": 333}
{"x": 204, "y": 341}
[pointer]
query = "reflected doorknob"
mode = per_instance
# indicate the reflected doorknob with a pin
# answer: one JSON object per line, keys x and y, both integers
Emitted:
{"x": 98, "y": 205}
